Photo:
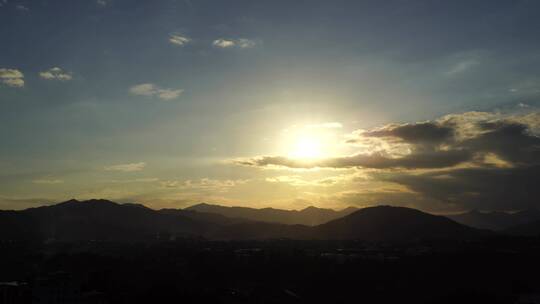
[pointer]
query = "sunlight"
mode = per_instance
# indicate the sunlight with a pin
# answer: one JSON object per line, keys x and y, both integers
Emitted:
{"x": 307, "y": 147}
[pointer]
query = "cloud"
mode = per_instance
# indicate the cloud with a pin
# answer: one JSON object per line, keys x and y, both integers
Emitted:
{"x": 126, "y": 167}
{"x": 55, "y": 73}
{"x": 102, "y": 3}
{"x": 21, "y": 7}
{"x": 299, "y": 181}
{"x": 477, "y": 188}
{"x": 449, "y": 141}
{"x": 470, "y": 160}
{"x": 416, "y": 132}
{"x": 462, "y": 66}
{"x": 179, "y": 40}
{"x": 48, "y": 181}
{"x": 426, "y": 159}
{"x": 136, "y": 180}
{"x": 12, "y": 77}
{"x": 152, "y": 90}
{"x": 204, "y": 184}
{"x": 241, "y": 43}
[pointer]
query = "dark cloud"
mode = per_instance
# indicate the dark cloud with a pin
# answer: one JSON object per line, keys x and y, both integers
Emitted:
{"x": 499, "y": 158}
{"x": 510, "y": 141}
{"x": 428, "y": 132}
{"x": 433, "y": 145}
{"x": 482, "y": 188}
{"x": 425, "y": 159}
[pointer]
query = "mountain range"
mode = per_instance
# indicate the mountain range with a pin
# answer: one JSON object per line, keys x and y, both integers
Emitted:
{"x": 105, "y": 220}
{"x": 310, "y": 216}
{"x": 496, "y": 220}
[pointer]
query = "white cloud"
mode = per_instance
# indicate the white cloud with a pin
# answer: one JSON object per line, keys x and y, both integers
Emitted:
{"x": 126, "y": 167}
{"x": 223, "y": 43}
{"x": 168, "y": 94}
{"x": 179, "y": 39}
{"x": 144, "y": 89}
{"x": 21, "y": 7}
{"x": 102, "y": 2}
{"x": 150, "y": 90}
{"x": 55, "y": 73}
{"x": 245, "y": 43}
{"x": 12, "y": 77}
{"x": 242, "y": 43}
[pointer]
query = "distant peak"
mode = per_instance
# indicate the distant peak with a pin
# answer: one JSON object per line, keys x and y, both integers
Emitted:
{"x": 201, "y": 206}
{"x": 98, "y": 201}
{"x": 135, "y": 205}
{"x": 71, "y": 201}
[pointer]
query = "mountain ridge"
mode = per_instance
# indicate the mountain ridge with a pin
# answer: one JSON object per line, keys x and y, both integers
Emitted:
{"x": 496, "y": 220}
{"x": 310, "y": 216}
{"x": 109, "y": 221}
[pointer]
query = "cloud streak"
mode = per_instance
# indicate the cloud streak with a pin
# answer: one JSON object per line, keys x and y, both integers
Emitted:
{"x": 48, "y": 181}
{"x": 179, "y": 40}
{"x": 152, "y": 90}
{"x": 132, "y": 167}
{"x": 242, "y": 43}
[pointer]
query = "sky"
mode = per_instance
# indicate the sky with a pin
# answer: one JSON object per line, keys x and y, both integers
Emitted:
{"x": 285, "y": 104}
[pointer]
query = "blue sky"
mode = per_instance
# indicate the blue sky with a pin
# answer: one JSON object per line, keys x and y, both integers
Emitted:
{"x": 154, "y": 101}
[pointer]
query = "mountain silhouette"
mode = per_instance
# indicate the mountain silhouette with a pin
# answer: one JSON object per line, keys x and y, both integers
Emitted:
{"x": 310, "y": 216}
{"x": 108, "y": 221}
{"x": 496, "y": 220}
{"x": 95, "y": 220}
{"x": 386, "y": 223}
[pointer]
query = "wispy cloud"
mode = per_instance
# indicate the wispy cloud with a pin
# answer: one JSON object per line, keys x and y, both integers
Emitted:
{"x": 204, "y": 184}
{"x": 136, "y": 180}
{"x": 48, "y": 181}
{"x": 179, "y": 40}
{"x": 462, "y": 66}
{"x": 12, "y": 77}
{"x": 152, "y": 90}
{"x": 132, "y": 167}
{"x": 21, "y": 7}
{"x": 298, "y": 181}
{"x": 102, "y": 3}
{"x": 55, "y": 73}
{"x": 241, "y": 43}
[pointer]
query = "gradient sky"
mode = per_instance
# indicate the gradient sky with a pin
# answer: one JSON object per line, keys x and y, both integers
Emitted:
{"x": 428, "y": 104}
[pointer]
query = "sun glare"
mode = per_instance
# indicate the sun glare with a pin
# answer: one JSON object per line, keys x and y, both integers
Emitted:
{"x": 307, "y": 147}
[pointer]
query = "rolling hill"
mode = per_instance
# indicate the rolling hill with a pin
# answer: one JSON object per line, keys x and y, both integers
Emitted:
{"x": 386, "y": 223}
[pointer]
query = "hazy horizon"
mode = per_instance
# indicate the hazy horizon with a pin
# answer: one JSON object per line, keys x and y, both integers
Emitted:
{"x": 425, "y": 104}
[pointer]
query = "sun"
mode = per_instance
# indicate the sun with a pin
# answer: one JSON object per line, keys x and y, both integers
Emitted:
{"x": 307, "y": 147}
